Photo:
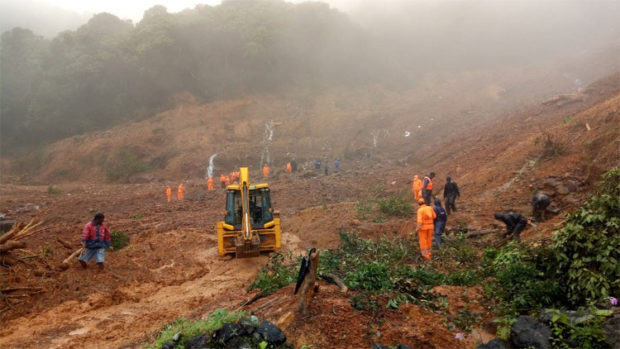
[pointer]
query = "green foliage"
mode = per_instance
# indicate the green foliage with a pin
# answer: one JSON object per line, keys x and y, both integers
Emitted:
{"x": 53, "y": 190}
{"x": 503, "y": 329}
{"x": 396, "y": 206}
{"x": 275, "y": 274}
{"x": 189, "y": 328}
{"x": 124, "y": 164}
{"x": 587, "y": 257}
{"x": 119, "y": 239}
{"x": 464, "y": 319}
{"x": 587, "y": 335}
{"x": 370, "y": 276}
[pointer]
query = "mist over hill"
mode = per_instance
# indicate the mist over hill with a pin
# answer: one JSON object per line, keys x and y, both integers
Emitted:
{"x": 109, "y": 71}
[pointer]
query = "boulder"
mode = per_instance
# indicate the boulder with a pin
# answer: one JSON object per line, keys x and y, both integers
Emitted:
{"x": 495, "y": 343}
{"x": 199, "y": 341}
{"x": 227, "y": 332}
{"x": 250, "y": 324}
{"x": 169, "y": 345}
{"x": 271, "y": 333}
{"x": 379, "y": 346}
{"x": 528, "y": 332}
{"x": 238, "y": 343}
{"x": 612, "y": 332}
{"x": 403, "y": 346}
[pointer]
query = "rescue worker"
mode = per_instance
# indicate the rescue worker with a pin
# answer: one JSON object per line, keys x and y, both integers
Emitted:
{"x": 289, "y": 167}
{"x": 417, "y": 187}
{"x": 265, "y": 171}
{"x": 336, "y": 165}
{"x": 439, "y": 222}
{"x": 540, "y": 202}
{"x": 95, "y": 238}
{"x": 168, "y": 193}
{"x": 515, "y": 223}
{"x": 222, "y": 181}
{"x": 210, "y": 183}
{"x": 424, "y": 227}
{"x": 231, "y": 177}
{"x": 180, "y": 192}
{"x": 294, "y": 165}
{"x": 226, "y": 181}
{"x": 450, "y": 193}
{"x": 326, "y": 168}
{"x": 317, "y": 164}
{"x": 427, "y": 187}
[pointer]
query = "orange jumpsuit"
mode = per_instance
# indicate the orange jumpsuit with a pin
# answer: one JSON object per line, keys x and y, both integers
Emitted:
{"x": 223, "y": 181}
{"x": 417, "y": 187}
{"x": 210, "y": 183}
{"x": 265, "y": 171}
{"x": 180, "y": 192}
{"x": 226, "y": 181}
{"x": 168, "y": 193}
{"x": 289, "y": 168}
{"x": 425, "y": 226}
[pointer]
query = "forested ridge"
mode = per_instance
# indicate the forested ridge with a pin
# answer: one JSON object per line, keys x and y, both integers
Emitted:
{"x": 109, "y": 71}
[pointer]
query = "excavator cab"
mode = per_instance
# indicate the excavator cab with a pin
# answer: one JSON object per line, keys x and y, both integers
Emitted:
{"x": 250, "y": 225}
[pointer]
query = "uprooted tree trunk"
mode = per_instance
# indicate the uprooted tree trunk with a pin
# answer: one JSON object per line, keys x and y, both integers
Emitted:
{"x": 309, "y": 286}
{"x": 65, "y": 264}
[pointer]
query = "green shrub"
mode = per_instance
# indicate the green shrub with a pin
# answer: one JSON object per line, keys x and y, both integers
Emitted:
{"x": 124, "y": 164}
{"x": 370, "y": 276}
{"x": 190, "y": 329}
{"x": 53, "y": 190}
{"x": 275, "y": 274}
{"x": 586, "y": 335}
{"x": 396, "y": 206}
{"x": 586, "y": 248}
{"x": 119, "y": 239}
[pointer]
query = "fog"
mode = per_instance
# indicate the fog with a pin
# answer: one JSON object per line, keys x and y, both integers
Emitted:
{"x": 120, "y": 66}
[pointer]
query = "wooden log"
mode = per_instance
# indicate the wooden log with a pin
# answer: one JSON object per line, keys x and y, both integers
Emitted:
{"x": 8, "y": 260}
{"x": 64, "y": 243}
{"x": 309, "y": 286}
{"x": 72, "y": 256}
{"x": 16, "y": 229}
{"x": 333, "y": 279}
{"x": 11, "y": 245}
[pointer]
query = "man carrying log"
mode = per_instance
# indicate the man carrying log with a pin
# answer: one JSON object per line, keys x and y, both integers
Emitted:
{"x": 96, "y": 237}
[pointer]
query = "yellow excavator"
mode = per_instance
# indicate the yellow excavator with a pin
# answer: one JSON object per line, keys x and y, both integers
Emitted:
{"x": 250, "y": 226}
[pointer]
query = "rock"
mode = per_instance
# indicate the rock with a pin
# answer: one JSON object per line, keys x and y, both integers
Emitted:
{"x": 238, "y": 343}
{"x": 249, "y": 324}
{"x": 402, "y": 346}
{"x": 562, "y": 189}
{"x": 169, "y": 345}
{"x": 227, "y": 332}
{"x": 572, "y": 185}
{"x": 379, "y": 346}
{"x": 199, "y": 341}
{"x": 612, "y": 332}
{"x": 177, "y": 337}
{"x": 271, "y": 333}
{"x": 495, "y": 343}
{"x": 573, "y": 317}
{"x": 6, "y": 226}
{"x": 528, "y": 332}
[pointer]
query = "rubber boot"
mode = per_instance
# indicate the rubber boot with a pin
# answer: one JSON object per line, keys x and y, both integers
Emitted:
{"x": 100, "y": 265}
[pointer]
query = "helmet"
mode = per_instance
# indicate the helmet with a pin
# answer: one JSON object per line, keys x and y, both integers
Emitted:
{"x": 421, "y": 201}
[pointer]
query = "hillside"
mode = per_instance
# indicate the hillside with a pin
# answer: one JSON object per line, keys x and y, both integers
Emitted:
{"x": 171, "y": 269}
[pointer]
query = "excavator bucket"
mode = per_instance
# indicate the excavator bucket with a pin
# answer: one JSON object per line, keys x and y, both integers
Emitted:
{"x": 251, "y": 225}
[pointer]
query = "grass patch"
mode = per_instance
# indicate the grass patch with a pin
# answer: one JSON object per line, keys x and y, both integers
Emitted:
{"x": 119, "y": 239}
{"x": 213, "y": 322}
{"x": 52, "y": 190}
{"x": 125, "y": 163}
{"x": 279, "y": 272}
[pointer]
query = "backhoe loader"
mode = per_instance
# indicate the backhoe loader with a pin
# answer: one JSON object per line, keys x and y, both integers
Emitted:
{"x": 251, "y": 225}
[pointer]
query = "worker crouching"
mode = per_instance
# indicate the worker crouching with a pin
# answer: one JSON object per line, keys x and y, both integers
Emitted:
{"x": 425, "y": 217}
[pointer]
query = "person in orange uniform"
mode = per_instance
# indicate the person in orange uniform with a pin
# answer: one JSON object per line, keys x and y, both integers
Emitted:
{"x": 266, "y": 171}
{"x": 223, "y": 181}
{"x": 168, "y": 193}
{"x": 289, "y": 168}
{"x": 180, "y": 192}
{"x": 417, "y": 187}
{"x": 427, "y": 187}
{"x": 231, "y": 177}
{"x": 425, "y": 217}
{"x": 210, "y": 183}
{"x": 226, "y": 181}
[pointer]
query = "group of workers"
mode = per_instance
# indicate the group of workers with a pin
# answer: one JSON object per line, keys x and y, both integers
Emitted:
{"x": 431, "y": 221}
{"x": 317, "y": 165}
{"x": 179, "y": 192}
